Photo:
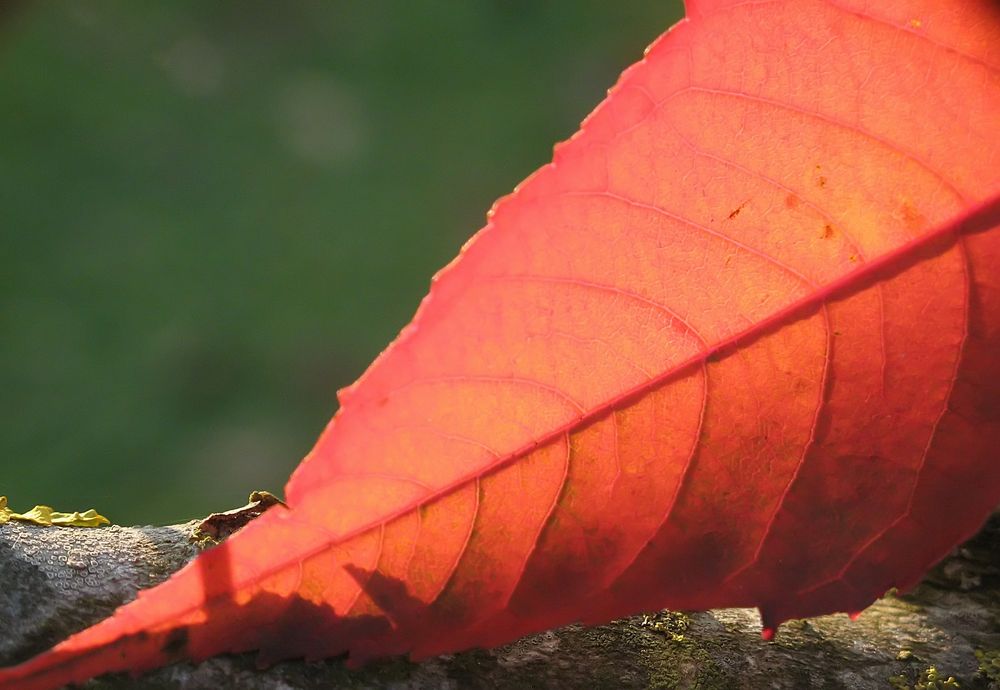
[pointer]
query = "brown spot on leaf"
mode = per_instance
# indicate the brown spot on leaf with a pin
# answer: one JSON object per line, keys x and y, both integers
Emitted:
{"x": 911, "y": 217}
{"x": 736, "y": 211}
{"x": 791, "y": 201}
{"x": 827, "y": 231}
{"x": 820, "y": 178}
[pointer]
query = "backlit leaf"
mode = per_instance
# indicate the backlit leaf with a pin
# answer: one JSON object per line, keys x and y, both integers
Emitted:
{"x": 735, "y": 346}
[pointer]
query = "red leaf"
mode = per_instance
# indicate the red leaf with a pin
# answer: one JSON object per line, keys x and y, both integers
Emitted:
{"x": 735, "y": 346}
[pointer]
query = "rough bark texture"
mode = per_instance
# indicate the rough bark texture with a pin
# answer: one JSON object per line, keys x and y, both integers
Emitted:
{"x": 54, "y": 581}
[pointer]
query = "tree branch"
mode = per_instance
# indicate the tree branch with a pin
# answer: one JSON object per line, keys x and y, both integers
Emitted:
{"x": 55, "y": 581}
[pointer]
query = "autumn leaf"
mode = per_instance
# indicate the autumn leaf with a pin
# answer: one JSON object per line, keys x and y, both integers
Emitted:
{"x": 735, "y": 346}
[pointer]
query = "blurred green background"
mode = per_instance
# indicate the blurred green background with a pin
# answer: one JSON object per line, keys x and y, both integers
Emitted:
{"x": 214, "y": 215}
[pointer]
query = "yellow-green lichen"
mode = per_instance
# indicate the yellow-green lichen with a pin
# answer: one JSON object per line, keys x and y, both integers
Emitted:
{"x": 45, "y": 515}
{"x": 672, "y": 624}
{"x": 989, "y": 664}
{"x": 899, "y": 682}
{"x": 203, "y": 541}
{"x": 929, "y": 679}
{"x": 680, "y": 660}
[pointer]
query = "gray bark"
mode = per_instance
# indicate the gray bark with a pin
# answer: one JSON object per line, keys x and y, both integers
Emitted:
{"x": 55, "y": 581}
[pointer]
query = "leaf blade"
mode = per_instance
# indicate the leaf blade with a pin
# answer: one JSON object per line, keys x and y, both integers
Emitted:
{"x": 578, "y": 424}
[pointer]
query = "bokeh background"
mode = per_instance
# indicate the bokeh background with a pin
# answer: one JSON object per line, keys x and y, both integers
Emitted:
{"x": 214, "y": 215}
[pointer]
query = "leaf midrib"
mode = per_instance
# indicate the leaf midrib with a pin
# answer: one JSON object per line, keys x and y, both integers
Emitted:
{"x": 976, "y": 219}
